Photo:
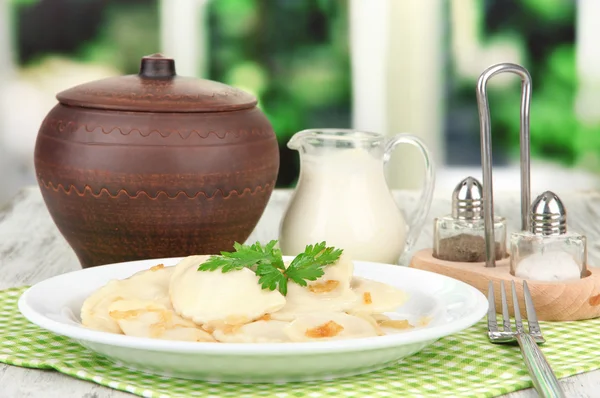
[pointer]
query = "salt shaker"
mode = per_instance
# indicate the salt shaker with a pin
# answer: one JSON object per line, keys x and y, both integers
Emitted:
{"x": 460, "y": 236}
{"x": 548, "y": 252}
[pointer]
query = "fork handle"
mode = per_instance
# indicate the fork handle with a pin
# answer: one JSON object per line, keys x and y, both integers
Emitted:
{"x": 544, "y": 379}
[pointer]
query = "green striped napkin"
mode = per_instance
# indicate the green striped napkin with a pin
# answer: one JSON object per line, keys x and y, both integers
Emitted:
{"x": 462, "y": 365}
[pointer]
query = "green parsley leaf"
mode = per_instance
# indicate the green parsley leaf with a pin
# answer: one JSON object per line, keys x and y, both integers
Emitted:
{"x": 267, "y": 263}
{"x": 308, "y": 266}
{"x": 244, "y": 256}
{"x": 272, "y": 278}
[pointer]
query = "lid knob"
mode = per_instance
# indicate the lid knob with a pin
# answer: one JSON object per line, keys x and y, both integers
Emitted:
{"x": 467, "y": 200}
{"x": 548, "y": 215}
{"x": 157, "y": 66}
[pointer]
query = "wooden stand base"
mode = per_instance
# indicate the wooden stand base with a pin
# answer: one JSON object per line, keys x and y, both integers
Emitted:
{"x": 554, "y": 301}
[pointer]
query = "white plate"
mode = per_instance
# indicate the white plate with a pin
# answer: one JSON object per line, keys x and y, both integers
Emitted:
{"x": 55, "y": 303}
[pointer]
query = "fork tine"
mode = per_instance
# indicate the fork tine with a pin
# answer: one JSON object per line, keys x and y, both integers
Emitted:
{"x": 491, "y": 315}
{"x": 505, "y": 314}
{"x": 518, "y": 320}
{"x": 532, "y": 321}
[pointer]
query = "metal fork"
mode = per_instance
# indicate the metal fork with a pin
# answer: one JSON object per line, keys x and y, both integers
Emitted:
{"x": 544, "y": 379}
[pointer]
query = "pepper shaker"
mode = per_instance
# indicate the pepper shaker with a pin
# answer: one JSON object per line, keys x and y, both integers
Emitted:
{"x": 547, "y": 252}
{"x": 460, "y": 236}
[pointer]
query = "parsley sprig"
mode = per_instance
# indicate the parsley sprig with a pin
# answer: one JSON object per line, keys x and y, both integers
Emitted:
{"x": 267, "y": 263}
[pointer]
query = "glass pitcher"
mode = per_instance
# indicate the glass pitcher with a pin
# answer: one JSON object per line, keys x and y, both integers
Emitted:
{"x": 342, "y": 196}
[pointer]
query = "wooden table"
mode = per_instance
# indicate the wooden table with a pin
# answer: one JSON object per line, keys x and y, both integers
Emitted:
{"x": 32, "y": 249}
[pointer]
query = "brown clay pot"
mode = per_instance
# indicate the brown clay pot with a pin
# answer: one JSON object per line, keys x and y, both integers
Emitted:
{"x": 155, "y": 165}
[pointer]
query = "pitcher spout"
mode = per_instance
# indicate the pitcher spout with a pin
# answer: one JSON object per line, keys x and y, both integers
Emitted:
{"x": 333, "y": 139}
{"x": 298, "y": 140}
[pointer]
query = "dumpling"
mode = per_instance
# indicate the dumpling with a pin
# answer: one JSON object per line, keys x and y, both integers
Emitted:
{"x": 342, "y": 271}
{"x": 330, "y": 293}
{"x": 329, "y": 326}
{"x": 151, "y": 285}
{"x": 216, "y": 298}
{"x": 384, "y": 324}
{"x": 261, "y": 331}
{"x": 147, "y": 319}
{"x": 376, "y": 297}
{"x": 301, "y": 300}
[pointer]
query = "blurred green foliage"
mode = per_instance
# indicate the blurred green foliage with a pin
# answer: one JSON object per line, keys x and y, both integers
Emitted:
{"x": 128, "y": 33}
{"x": 122, "y": 31}
{"x": 553, "y": 124}
{"x": 550, "y": 10}
{"x": 546, "y": 29}
{"x": 22, "y": 2}
{"x": 293, "y": 55}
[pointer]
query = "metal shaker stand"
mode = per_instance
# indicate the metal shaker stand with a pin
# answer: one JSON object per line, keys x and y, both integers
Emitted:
{"x": 568, "y": 301}
{"x": 486, "y": 152}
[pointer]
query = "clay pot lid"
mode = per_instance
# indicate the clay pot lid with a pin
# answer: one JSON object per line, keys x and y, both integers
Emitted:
{"x": 157, "y": 88}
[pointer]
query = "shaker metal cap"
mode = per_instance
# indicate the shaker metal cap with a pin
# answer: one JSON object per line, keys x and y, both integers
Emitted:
{"x": 548, "y": 215}
{"x": 467, "y": 200}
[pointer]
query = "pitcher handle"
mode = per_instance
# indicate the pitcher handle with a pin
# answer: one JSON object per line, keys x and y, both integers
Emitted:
{"x": 417, "y": 220}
